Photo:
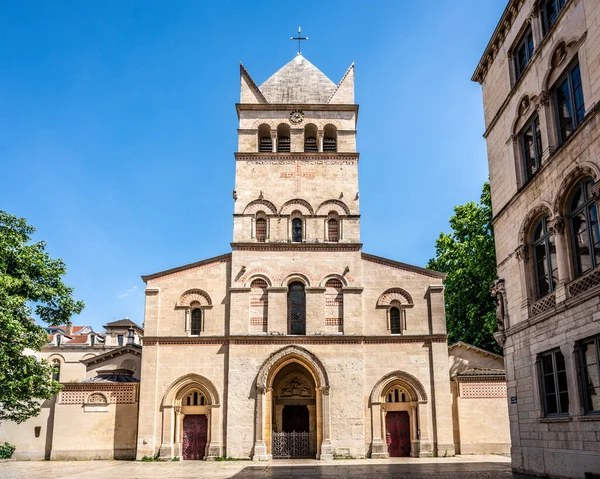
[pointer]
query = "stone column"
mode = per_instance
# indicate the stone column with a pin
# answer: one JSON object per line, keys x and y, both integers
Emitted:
{"x": 260, "y": 446}
{"x": 177, "y": 439}
{"x": 414, "y": 438}
{"x": 425, "y": 444}
{"x": 166, "y": 448}
{"x": 547, "y": 125}
{"x": 320, "y": 135}
{"x": 378, "y": 444}
{"x": 326, "y": 449}
{"x": 557, "y": 227}
{"x": 274, "y": 140}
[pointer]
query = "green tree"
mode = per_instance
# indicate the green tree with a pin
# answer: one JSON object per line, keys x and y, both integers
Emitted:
{"x": 468, "y": 256}
{"x": 30, "y": 280}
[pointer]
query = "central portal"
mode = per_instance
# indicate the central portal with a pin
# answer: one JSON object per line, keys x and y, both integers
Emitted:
{"x": 294, "y": 413}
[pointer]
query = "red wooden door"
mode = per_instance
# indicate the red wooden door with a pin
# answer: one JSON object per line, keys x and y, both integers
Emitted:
{"x": 194, "y": 436}
{"x": 397, "y": 424}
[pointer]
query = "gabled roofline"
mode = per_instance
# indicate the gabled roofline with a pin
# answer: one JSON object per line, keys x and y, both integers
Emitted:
{"x": 244, "y": 72}
{"x": 214, "y": 259}
{"x": 128, "y": 348}
{"x": 351, "y": 67}
{"x": 404, "y": 266}
{"x": 475, "y": 348}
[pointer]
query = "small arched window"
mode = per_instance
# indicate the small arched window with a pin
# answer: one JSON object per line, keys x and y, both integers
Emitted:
{"x": 334, "y": 304}
{"x": 329, "y": 138}
{"x": 297, "y": 234}
{"x": 583, "y": 223}
{"x": 265, "y": 144}
{"x": 196, "y": 328}
{"x": 56, "y": 370}
{"x": 283, "y": 138}
{"x": 261, "y": 229}
{"x": 395, "y": 324}
{"x": 544, "y": 258}
{"x": 396, "y": 395}
{"x": 333, "y": 230}
{"x": 310, "y": 139}
{"x": 259, "y": 305}
{"x": 296, "y": 308}
{"x": 195, "y": 399}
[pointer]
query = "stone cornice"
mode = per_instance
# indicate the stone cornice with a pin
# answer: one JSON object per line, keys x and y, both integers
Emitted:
{"x": 296, "y": 155}
{"x": 404, "y": 266}
{"x": 224, "y": 258}
{"x": 296, "y": 246}
{"x": 291, "y": 339}
{"x": 294, "y": 106}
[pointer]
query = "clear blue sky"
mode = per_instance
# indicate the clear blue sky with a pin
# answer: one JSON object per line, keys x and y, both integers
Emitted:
{"x": 118, "y": 124}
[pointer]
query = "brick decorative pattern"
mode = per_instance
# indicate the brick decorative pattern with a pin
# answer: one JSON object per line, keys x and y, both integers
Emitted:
{"x": 90, "y": 393}
{"x": 545, "y": 304}
{"x": 580, "y": 285}
{"x": 482, "y": 389}
{"x": 334, "y": 321}
{"x": 195, "y": 296}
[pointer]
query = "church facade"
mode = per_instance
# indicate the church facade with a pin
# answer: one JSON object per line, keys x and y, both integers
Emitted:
{"x": 296, "y": 332}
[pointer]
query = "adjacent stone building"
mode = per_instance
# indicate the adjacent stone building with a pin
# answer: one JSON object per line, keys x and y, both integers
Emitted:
{"x": 540, "y": 75}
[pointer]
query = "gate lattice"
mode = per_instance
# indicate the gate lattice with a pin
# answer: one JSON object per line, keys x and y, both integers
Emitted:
{"x": 288, "y": 445}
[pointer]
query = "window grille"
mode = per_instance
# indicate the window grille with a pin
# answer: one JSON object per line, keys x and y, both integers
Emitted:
{"x": 329, "y": 145}
{"x": 283, "y": 144}
{"x": 395, "y": 324}
{"x": 296, "y": 309}
{"x": 261, "y": 230}
{"x": 310, "y": 145}
{"x": 196, "y": 328}
{"x": 259, "y": 305}
{"x": 333, "y": 231}
{"x": 297, "y": 230}
{"x": 265, "y": 145}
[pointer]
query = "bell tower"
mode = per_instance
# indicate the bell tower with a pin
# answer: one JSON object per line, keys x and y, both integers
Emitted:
{"x": 296, "y": 165}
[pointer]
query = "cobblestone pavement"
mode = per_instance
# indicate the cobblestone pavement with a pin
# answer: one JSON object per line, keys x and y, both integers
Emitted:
{"x": 465, "y": 467}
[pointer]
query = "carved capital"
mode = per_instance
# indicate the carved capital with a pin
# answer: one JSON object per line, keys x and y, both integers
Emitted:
{"x": 514, "y": 138}
{"x": 498, "y": 287}
{"x": 542, "y": 100}
{"x": 557, "y": 225}
{"x": 596, "y": 191}
{"x": 261, "y": 390}
{"x": 522, "y": 253}
{"x": 536, "y": 8}
{"x": 325, "y": 390}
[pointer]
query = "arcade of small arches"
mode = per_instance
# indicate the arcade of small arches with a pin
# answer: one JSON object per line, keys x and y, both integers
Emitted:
{"x": 293, "y": 396}
{"x": 297, "y": 212}
{"x": 559, "y": 255}
{"x": 315, "y": 141}
{"x": 396, "y": 302}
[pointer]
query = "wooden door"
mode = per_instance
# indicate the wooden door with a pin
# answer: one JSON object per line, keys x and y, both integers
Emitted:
{"x": 397, "y": 424}
{"x": 195, "y": 431}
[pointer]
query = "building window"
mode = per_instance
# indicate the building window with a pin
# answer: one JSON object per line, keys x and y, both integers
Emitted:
{"x": 58, "y": 339}
{"x": 283, "y": 138}
{"x": 590, "y": 369}
{"x": 395, "y": 322}
{"x": 196, "y": 328}
{"x": 259, "y": 305}
{"x": 265, "y": 144}
{"x": 296, "y": 309}
{"x": 544, "y": 258}
{"x": 568, "y": 101}
{"x": 531, "y": 147}
{"x": 297, "y": 230}
{"x": 333, "y": 230}
{"x": 555, "y": 395}
{"x": 261, "y": 230}
{"x": 329, "y": 139}
{"x": 195, "y": 399}
{"x": 56, "y": 370}
{"x": 310, "y": 138}
{"x": 334, "y": 304}
{"x": 550, "y": 11}
{"x": 523, "y": 53}
{"x": 583, "y": 224}
{"x": 92, "y": 339}
{"x": 120, "y": 339}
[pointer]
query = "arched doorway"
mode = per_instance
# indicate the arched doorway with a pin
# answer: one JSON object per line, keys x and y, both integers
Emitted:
{"x": 294, "y": 421}
{"x": 400, "y": 418}
{"x": 191, "y": 420}
{"x": 292, "y": 400}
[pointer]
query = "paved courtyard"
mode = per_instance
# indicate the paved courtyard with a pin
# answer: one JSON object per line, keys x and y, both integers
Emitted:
{"x": 463, "y": 467}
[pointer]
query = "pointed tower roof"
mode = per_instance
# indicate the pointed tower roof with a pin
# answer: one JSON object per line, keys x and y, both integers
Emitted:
{"x": 299, "y": 81}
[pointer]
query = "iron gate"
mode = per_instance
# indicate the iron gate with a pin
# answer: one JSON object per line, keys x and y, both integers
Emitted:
{"x": 287, "y": 445}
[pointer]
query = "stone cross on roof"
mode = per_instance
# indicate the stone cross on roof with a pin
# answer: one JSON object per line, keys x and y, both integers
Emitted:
{"x": 299, "y": 38}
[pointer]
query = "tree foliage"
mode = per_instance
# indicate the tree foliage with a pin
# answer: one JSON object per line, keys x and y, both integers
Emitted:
{"x": 30, "y": 280}
{"x": 468, "y": 256}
